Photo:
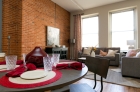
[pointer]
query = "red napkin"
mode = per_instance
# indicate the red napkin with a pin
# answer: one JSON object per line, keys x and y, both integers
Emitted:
{"x": 74, "y": 65}
{"x": 21, "y": 69}
{"x": 19, "y": 62}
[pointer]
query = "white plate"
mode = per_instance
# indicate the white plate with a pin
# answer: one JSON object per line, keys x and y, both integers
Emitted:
{"x": 66, "y": 62}
{"x": 35, "y": 74}
{"x": 4, "y": 67}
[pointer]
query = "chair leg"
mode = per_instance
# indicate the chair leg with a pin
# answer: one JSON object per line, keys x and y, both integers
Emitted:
{"x": 94, "y": 81}
{"x": 101, "y": 84}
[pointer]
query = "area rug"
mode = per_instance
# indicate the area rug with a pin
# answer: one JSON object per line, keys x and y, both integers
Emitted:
{"x": 116, "y": 69}
{"x": 115, "y": 77}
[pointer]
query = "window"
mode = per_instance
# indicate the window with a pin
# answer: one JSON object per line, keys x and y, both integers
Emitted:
{"x": 122, "y": 28}
{"x": 90, "y": 31}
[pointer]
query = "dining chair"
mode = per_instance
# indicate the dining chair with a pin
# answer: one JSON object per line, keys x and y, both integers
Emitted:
{"x": 99, "y": 66}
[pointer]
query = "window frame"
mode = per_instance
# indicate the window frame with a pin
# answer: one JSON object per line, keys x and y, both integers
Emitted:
{"x": 89, "y": 16}
{"x": 134, "y": 9}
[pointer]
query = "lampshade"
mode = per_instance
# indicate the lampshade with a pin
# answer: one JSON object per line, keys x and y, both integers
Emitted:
{"x": 130, "y": 42}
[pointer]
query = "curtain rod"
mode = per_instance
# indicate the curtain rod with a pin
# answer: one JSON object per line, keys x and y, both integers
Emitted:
{"x": 81, "y": 14}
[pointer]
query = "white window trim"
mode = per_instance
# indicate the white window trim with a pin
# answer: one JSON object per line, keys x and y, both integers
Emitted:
{"x": 134, "y": 8}
{"x": 88, "y": 16}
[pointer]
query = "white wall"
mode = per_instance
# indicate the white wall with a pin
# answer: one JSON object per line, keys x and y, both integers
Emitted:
{"x": 103, "y": 11}
{"x": 0, "y": 25}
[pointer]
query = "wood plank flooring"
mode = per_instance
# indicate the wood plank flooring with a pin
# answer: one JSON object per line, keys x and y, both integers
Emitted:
{"x": 108, "y": 87}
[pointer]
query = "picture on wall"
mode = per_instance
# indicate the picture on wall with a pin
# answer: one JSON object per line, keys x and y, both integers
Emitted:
{"x": 52, "y": 36}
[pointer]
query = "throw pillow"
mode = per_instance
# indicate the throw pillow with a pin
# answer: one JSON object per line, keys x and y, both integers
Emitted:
{"x": 102, "y": 53}
{"x": 131, "y": 53}
{"x": 92, "y": 54}
{"x": 111, "y": 52}
{"x": 138, "y": 55}
{"x": 87, "y": 51}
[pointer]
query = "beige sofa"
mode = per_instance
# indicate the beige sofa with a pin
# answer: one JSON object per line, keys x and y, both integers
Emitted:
{"x": 114, "y": 60}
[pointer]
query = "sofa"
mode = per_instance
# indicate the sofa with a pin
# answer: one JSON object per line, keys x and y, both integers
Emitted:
{"x": 130, "y": 66}
{"x": 114, "y": 60}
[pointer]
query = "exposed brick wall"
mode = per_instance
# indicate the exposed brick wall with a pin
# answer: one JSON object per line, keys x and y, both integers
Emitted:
{"x": 11, "y": 26}
{"x": 2, "y": 59}
{"x": 26, "y": 21}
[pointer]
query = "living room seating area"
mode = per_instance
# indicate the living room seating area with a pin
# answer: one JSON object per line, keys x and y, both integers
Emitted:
{"x": 111, "y": 53}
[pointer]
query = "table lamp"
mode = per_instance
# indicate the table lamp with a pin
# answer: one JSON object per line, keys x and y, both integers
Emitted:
{"x": 131, "y": 44}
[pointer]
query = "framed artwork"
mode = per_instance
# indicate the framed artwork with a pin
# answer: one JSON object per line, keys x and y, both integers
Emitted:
{"x": 52, "y": 36}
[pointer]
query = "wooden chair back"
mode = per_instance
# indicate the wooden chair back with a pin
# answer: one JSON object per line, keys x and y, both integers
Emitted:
{"x": 98, "y": 66}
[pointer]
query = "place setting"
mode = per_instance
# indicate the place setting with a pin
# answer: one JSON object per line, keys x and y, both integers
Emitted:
{"x": 28, "y": 75}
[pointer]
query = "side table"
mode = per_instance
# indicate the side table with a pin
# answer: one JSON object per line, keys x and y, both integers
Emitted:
{"x": 123, "y": 53}
{"x": 82, "y": 59}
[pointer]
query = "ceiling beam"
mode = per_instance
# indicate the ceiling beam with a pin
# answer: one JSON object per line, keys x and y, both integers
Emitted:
{"x": 77, "y": 5}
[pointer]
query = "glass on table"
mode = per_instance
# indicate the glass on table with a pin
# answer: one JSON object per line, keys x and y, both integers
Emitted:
{"x": 48, "y": 62}
{"x": 24, "y": 62}
{"x": 11, "y": 61}
{"x": 56, "y": 59}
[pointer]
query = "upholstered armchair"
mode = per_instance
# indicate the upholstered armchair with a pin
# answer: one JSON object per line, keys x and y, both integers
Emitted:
{"x": 130, "y": 66}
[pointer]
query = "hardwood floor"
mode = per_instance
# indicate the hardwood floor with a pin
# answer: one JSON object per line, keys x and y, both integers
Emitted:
{"x": 108, "y": 87}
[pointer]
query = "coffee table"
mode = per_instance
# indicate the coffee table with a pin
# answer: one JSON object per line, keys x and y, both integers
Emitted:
{"x": 82, "y": 59}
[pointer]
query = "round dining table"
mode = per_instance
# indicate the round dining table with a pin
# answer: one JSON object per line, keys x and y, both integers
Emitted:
{"x": 69, "y": 76}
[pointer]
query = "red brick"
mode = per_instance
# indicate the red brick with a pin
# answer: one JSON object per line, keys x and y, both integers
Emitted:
{"x": 26, "y": 21}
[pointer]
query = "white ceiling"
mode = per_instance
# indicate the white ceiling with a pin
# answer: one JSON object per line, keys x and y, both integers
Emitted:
{"x": 76, "y": 5}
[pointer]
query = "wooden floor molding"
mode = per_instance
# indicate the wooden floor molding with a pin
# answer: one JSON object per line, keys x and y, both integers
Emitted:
{"x": 108, "y": 87}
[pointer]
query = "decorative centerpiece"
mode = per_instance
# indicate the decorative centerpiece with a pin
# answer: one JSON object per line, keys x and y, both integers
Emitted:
{"x": 36, "y": 57}
{"x": 93, "y": 51}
